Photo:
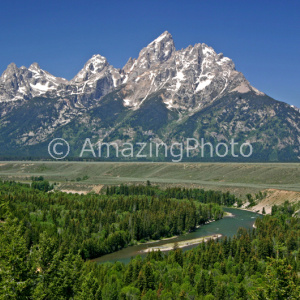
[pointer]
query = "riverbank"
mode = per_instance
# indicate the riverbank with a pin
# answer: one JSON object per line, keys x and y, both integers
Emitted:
{"x": 251, "y": 209}
{"x": 226, "y": 226}
{"x": 176, "y": 236}
{"x": 182, "y": 244}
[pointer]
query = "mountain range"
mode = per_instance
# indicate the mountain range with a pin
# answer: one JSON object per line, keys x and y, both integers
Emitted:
{"x": 164, "y": 95}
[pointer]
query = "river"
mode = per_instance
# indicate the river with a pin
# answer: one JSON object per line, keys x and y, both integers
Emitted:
{"x": 226, "y": 226}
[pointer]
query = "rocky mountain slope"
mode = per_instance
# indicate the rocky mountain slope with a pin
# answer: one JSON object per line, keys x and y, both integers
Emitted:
{"x": 164, "y": 95}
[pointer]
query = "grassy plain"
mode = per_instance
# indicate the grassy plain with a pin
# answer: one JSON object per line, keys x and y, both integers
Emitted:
{"x": 238, "y": 178}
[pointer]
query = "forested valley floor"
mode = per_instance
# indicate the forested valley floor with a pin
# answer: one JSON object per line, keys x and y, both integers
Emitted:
{"x": 48, "y": 237}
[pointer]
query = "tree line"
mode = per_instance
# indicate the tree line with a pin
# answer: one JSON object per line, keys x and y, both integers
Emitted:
{"x": 199, "y": 195}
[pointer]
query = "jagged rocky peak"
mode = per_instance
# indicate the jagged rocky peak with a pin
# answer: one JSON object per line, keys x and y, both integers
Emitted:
{"x": 156, "y": 53}
{"x": 12, "y": 66}
{"x": 94, "y": 66}
{"x": 34, "y": 66}
{"x": 10, "y": 70}
{"x": 22, "y": 83}
{"x": 187, "y": 77}
{"x": 94, "y": 80}
{"x": 128, "y": 65}
{"x": 161, "y": 48}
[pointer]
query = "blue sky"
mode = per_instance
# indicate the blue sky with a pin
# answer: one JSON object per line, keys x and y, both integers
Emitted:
{"x": 261, "y": 37}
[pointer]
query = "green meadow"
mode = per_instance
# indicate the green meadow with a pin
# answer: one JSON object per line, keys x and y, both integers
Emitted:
{"x": 238, "y": 178}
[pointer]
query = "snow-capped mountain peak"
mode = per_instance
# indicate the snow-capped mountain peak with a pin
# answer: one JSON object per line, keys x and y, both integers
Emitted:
{"x": 33, "y": 67}
{"x": 22, "y": 83}
{"x": 94, "y": 66}
{"x": 157, "y": 51}
{"x": 188, "y": 78}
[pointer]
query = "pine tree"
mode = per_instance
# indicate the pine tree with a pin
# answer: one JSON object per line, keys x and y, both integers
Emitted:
{"x": 149, "y": 278}
{"x": 280, "y": 282}
{"x": 15, "y": 263}
{"x": 201, "y": 285}
{"x": 192, "y": 274}
{"x": 182, "y": 294}
{"x": 141, "y": 281}
{"x": 241, "y": 292}
{"x": 260, "y": 295}
{"x": 178, "y": 256}
{"x": 128, "y": 275}
{"x": 210, "y": 286}
{"x": 221, "y": 292}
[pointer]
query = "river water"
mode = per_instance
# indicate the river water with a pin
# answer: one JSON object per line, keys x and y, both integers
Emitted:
{"x": 226, "y": 226}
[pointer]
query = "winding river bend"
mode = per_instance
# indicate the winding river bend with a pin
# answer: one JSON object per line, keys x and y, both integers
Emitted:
{"x": 227, "y": 226}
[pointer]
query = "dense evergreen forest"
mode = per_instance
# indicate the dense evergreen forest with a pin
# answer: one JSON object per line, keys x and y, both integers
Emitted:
{"x": 45, "y": 238}
{"x": 94, "y": 225}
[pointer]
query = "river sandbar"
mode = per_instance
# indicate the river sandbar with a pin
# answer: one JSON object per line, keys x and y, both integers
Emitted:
{"x": 182, "y": 244}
